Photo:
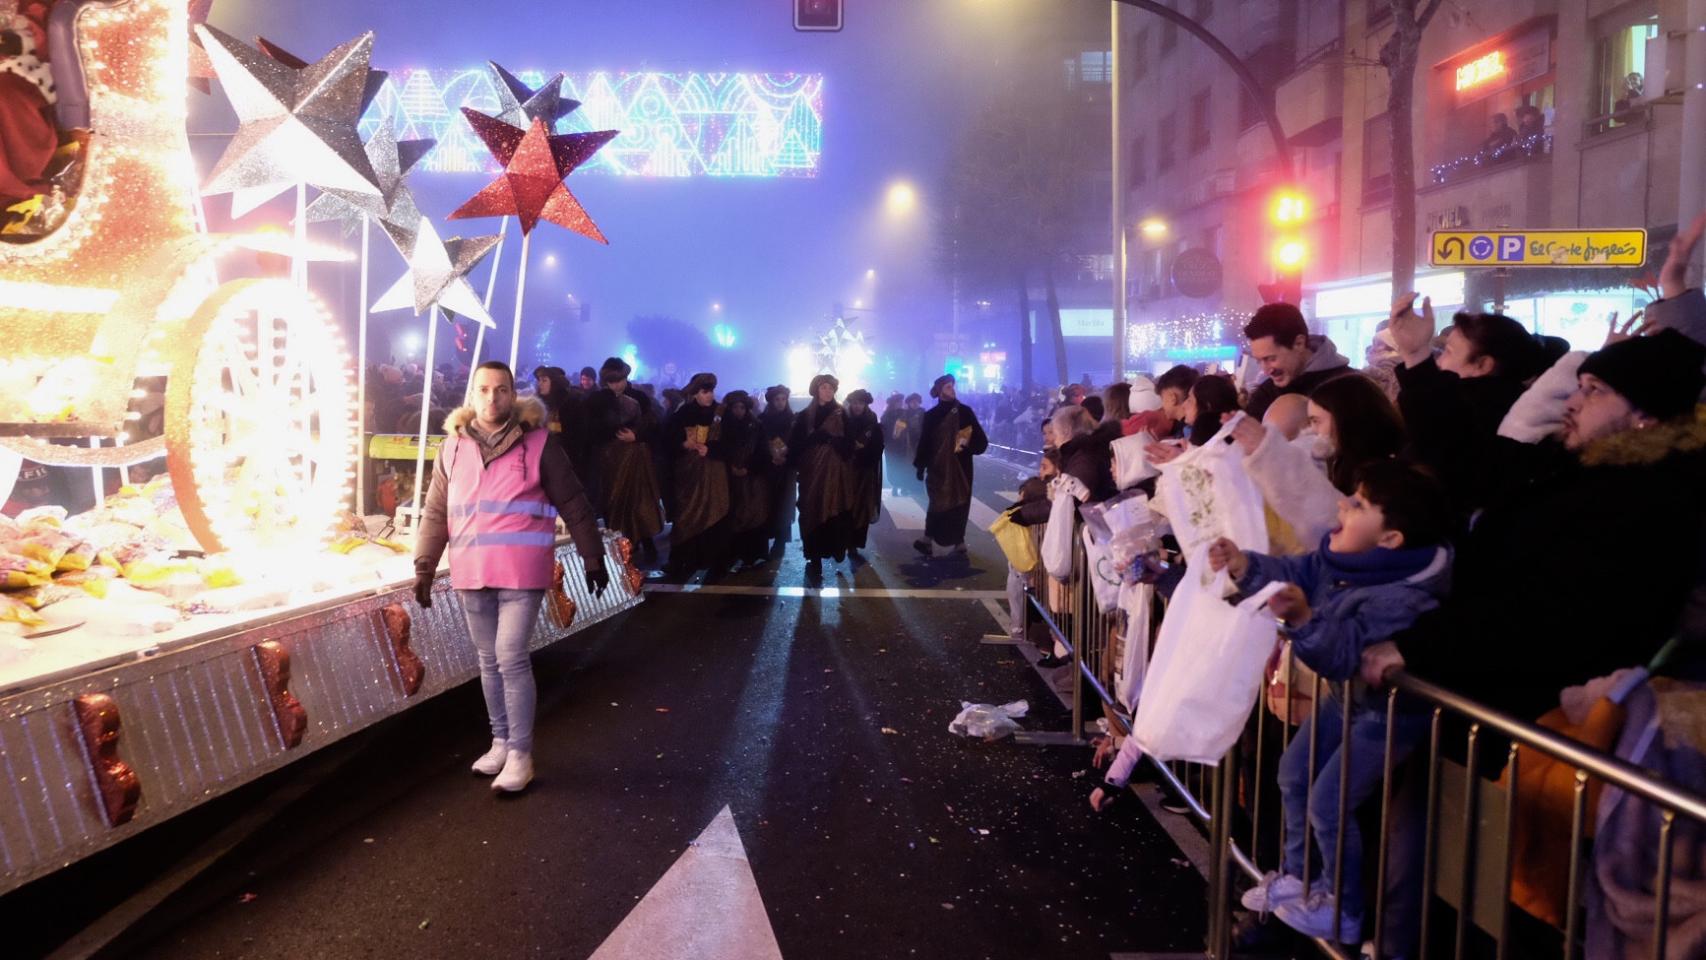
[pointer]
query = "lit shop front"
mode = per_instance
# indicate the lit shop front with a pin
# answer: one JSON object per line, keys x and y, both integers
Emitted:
{"x": 206, "y": 610}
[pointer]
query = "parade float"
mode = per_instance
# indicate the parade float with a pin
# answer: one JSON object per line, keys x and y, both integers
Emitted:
{"x": 227, "y": 614}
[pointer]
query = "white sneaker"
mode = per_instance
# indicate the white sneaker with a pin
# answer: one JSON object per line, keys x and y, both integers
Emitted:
{"x": 517, "y": 773}
{"x": 1314, "y": 918}
{"x": 1274, "y": 890}
{"x": 492, "y": 760}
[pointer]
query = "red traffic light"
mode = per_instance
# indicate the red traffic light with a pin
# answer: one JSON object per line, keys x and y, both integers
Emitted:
{"x": 1288, "y": 208}
{"x": 817, "y": 15}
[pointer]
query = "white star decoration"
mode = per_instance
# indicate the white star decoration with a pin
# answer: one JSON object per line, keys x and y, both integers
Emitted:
{"x": 519, "y": 105}
{"x": 438, "y": 274}
{"x": 294, "y": 125}
{"x": 395, "y": 204}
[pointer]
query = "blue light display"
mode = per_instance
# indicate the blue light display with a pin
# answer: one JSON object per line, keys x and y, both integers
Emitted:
{"x": 673, "y": 124}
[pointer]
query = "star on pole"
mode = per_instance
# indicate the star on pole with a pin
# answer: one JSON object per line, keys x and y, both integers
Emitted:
{"x": 395, "y": 204}
{"x": 200, "y": 67}
{"x": 519, "y": 105}
{"x": 531, "y": 186}
{"x": 438, "y": 274}
{"x": 295, "y": 124}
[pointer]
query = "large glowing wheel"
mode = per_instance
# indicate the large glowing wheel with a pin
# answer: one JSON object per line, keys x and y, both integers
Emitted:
{"x": 260, "y": 434}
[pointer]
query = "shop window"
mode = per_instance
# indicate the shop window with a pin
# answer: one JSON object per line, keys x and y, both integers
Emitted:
{"x": 1169, "y": 132}
{"x": 1137, "y": 169}
{"x": 1620, "y": 73}
{"x": 1201, "y": 132}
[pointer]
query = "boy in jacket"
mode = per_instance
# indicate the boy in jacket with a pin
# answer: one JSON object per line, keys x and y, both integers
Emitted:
{"x": 1384, "y": 565}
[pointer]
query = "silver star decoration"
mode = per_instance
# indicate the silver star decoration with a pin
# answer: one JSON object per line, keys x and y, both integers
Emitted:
{"x": 438, "y": 274}
{"x": 395, "y": 204}
{"x": 519, "y": 105}
{"x": 295, "y": 125}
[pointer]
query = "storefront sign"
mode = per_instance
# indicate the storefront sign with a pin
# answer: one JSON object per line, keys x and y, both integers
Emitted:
{"x": 398, "y": 446}
{"x": 1538, "y": 248}
{"x": 1083, "y": 322}
{"x": 1196, "y": 273}
{"x": 1515, "y": 61}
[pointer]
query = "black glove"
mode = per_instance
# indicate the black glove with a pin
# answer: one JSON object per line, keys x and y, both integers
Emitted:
{"x": 597, "y": 580}
{"x": 920, "y": 474}
{"x": 423, "y": 588}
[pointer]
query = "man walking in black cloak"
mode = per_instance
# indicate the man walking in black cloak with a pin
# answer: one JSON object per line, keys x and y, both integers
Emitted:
{"x": 950, "y": 437}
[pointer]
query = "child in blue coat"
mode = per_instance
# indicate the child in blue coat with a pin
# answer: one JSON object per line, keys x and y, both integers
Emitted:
{"x": 1383, "y": 565}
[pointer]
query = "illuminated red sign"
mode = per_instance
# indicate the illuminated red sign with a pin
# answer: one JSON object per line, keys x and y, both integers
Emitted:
{"x": 1481, "y": 69}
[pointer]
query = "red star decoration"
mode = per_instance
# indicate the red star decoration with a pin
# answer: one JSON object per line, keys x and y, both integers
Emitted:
{"x": 200, "y": 67}
{"x": 535, "y": 162}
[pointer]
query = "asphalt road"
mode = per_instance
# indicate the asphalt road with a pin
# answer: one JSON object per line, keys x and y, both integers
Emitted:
{"x": 818, "y": 722}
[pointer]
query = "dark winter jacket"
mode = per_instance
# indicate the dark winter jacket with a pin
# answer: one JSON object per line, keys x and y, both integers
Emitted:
{"x": 927, "y": 440}
{"x": 1324, "y": 365}
{"x": 1453, "y": 424}
{"x": 1355, "y": 599}
{"x": 603, "y": 412}
{"x": 1580, "y": 569}
{"x": 1091, "y": 460}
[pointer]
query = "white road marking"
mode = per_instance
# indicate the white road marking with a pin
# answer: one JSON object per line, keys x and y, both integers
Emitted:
{"x": 826, "y": 593}
{"x": 1011, "y": 496}
{"x": 706, "y": 906}
{"x": 982, "y": 514}
{"x": 904, "y": 511}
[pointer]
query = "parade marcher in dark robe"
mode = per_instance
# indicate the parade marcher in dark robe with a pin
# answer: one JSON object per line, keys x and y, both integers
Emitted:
{"x": 865, "y": 434}
{"x": 948, "y": 440}
{"x": 820, "y": 449}
{"x": 897, "y": 445}
{"x": 778, "y": 422}
{"x": 697, "y": 540}
{"x": 740, "y": 443}
{"x": 622, "y": 421}
{"x": 914, "y": 417}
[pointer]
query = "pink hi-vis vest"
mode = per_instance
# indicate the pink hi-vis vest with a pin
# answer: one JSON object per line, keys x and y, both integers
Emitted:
{"x": 502, "y": 527}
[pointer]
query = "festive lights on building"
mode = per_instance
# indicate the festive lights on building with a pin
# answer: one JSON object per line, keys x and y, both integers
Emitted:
{"x": 673, "y": 124}
{"x": 1186, "y": 339}
{"x": 1533, "y": 145}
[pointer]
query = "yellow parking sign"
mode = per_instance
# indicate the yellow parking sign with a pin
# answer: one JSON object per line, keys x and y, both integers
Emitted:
{"x": 1538, "y": 248}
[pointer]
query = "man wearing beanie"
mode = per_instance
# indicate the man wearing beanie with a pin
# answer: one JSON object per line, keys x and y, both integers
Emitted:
{"x": 621, "y": 422}
{"x": 1581, "y": 565}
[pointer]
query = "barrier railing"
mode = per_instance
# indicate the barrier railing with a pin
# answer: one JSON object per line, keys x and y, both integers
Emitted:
{"x": 1446, "y": 848}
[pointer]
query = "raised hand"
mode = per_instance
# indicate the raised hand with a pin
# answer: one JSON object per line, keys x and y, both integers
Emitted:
{"x": 1673, "y": 276}
{"x": 1628, "y": 330}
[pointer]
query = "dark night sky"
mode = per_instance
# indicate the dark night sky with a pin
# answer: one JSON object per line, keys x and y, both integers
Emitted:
{"x": 899, "y": 81}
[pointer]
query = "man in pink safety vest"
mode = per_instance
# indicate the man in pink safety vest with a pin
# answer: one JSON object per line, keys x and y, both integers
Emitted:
{"x": 497, "y": 485}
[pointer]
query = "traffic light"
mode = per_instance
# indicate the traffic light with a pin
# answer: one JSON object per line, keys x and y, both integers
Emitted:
{"x": 1289, "y": 256}
{"x": 817, "y": 15}
{"x": 1288, "y": 208}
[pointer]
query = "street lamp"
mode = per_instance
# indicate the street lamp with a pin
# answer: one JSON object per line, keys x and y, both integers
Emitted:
{"x": 1152, "y": 228}
{"x": 901, "y": 199}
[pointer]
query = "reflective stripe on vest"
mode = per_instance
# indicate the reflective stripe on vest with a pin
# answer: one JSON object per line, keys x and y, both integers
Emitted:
{"x": 502, "y": 527}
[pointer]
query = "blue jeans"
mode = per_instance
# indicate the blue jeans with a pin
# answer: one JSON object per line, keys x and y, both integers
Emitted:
{"x": 501, "y": 622}
{"x": 1367, "y": 748}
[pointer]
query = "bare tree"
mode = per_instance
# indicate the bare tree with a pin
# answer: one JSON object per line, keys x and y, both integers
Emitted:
{"x": 1398, "y": 55}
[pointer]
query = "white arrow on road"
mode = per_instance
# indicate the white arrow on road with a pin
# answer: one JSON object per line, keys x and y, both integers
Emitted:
{"x": 707, "y": 906}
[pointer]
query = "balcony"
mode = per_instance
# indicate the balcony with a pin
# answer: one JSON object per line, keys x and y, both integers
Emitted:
{"x": 1521, "y": 150}
{"x": 1310, "y": 102}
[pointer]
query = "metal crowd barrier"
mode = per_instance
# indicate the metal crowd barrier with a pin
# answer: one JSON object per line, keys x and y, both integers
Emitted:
{"x": 1468, "y": 820}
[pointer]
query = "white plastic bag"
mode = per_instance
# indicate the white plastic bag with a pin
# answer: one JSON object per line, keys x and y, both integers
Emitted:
{"x": 1057, "y": 536}
{"x": 1104, "y": 575}
{"x": 1129, "y": 673}
{"x": 987, "y": 721}
{"x": 1207, "y": 670}
{"x": 1207, "y": 493}
{"x": 1131, "y": 463}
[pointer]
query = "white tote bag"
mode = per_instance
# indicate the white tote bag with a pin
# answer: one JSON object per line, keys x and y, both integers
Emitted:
{"x": 1104, "y": 574}
{"x": 1131, "y": 464}
{"x": 1135, "y": 600}
{"x": 1207, "y": 670}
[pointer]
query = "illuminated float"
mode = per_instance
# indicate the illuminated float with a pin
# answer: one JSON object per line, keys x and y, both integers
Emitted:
{"x": 216, "y": 623}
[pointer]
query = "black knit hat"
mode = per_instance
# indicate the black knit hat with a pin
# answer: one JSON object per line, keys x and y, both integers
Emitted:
{"x": 613, "y": 370}
{"x": 1659, "y": 375}
{"x": 941, "y": 381}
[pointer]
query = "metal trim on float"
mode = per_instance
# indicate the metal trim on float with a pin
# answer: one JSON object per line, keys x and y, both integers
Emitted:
{"x": 209, "y": 714}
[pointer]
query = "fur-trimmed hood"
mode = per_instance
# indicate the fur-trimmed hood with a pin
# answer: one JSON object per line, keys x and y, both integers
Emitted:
{"x": 531, "y": 411}
{"x": 1634, "y": 448}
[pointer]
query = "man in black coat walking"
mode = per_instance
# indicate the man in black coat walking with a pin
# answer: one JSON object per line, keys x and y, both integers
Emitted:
{"x": 947, "y": 441}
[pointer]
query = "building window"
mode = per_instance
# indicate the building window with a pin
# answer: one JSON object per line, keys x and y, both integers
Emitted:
{"x": 1377, "y": 157}
{"x": 1168, "y": 133}
{"x": 1138, "y": 64}
{"x": 1497, "y": 108}
{"x": 1137, "y": 168}
{"x": 1620, "y": 68}
{"x": 1201, "y": 133}
{"x": 1090, "y": 68}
